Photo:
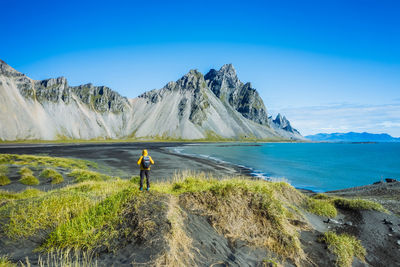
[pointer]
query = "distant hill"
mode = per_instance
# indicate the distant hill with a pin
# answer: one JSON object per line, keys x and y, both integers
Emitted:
{"x": 352, "y": 137}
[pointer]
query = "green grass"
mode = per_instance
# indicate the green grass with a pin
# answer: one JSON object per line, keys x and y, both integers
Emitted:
{"x": 55, "y": 176}
{"x": 3, "y": 169}
{"x": 5, "y": 262}
{"x": 27, "y": 193}
{"x": 324, "y": 205}
{"x": 85, "y": 175}
{"x": 27, "y": 217}
{"x": 4, "y": 180}
{"x": 321, "y": 207}
{"x": 345, "y": 247}
{"x": 87, "y": 231}
{"x": 35, "y": 161}
{"x": 27, "y": 177}
{"x": 358, "y": 204}
{"x": 32, "y": 210}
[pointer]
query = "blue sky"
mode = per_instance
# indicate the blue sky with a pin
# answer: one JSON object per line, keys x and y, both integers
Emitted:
{"x": 327, "y": 65}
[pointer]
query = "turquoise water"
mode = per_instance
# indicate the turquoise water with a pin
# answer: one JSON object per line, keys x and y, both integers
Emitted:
{"x": 316, "y": 166}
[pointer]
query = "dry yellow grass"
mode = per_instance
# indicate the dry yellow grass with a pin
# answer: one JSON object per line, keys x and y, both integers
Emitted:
{"x": 180, "y": 252}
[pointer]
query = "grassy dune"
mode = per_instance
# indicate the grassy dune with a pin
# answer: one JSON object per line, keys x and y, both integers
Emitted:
{"x": 99, "y": 213}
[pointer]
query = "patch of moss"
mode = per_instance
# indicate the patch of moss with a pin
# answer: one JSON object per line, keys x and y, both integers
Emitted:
{"x": 27, "y": 177}
{"x": 85, "y": 175}
{"x": 345, "y": 247}
{"x": 55, "y": 176}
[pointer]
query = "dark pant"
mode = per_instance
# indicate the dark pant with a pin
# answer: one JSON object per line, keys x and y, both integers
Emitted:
{"x": 142, "y": 174}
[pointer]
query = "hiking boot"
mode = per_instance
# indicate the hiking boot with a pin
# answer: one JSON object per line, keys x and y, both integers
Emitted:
{"x": 141, "y": 189}
{"x": 148, "y": 189}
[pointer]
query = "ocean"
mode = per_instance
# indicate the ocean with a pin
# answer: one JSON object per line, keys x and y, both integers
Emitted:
{"x": 315, "y": 166}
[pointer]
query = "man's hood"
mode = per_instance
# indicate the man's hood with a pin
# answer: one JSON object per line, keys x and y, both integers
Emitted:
{"x": 144, "y": 153}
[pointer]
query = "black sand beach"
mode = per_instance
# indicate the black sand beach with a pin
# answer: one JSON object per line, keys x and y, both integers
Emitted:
{"x": 119, "y": 159}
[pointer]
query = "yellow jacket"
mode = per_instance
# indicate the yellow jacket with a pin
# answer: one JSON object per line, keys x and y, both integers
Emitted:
{"x": 139, "y": 162}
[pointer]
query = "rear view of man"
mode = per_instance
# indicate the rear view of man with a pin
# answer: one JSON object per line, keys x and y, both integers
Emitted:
{"x": 144, "y": 162}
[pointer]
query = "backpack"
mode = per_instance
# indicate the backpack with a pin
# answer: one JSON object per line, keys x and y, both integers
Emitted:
{"x": 146, "y": 162}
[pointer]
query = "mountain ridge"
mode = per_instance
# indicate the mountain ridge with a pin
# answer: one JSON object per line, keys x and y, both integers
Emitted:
{"x": 196, "y": 106}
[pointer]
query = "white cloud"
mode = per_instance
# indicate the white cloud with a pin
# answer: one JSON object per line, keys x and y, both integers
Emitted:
{"x": 345, "y": 117}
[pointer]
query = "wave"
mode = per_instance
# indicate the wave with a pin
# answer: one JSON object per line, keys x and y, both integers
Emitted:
{"x": 253, "y": 172}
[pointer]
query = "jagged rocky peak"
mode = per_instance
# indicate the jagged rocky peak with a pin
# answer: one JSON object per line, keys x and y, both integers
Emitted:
{"x": 242, "y": 97}
{"x": 192, "y": 81}
{"x": 100, "y": 98}
{"x": 224, "y": 81}
{"x": 284, "y": 123}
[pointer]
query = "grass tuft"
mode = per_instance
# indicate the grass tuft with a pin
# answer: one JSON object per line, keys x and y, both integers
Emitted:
{"x": 85, "y": 175}
{"x": 28, "y": 216}
{"x": 27, "y": 177}
{"x": 55, "y": 176}
{"x": 358, "y": 204}
{"x": 4, "y": 180}
{"x": 5, "y": 262}
{"x": 35, "y": 161}
{"x": 321, "y": 207}
{"x": 83, "y": 231}
{"x": 27, "y": 193}
{"x": 345, "y": 247}
{"x": 251, "y": 210}
{"x": 324, "y": 205}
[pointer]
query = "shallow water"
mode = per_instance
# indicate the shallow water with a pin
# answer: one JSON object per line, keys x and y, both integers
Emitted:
{"x": 315, "y": 166}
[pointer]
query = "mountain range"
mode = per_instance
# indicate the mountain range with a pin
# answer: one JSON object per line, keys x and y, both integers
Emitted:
{"x": 212, "y": 106}
{"x": 352, "y": 137}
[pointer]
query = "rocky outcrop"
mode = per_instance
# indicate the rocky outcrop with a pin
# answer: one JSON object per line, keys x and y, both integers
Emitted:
{"x": 101, "y": 98}
{"x": 242, "y": 97}
{"x": 52, "y": 90}
{"x": 8, "y": 71}
{"x": 217, "y": 105}
{"x": 284, "y": 124}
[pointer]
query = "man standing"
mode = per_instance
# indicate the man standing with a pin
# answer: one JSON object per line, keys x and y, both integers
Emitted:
{"x": 144, "y": 162}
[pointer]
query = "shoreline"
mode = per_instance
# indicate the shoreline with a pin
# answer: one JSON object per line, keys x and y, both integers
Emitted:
{"x": 123, "y": 155}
